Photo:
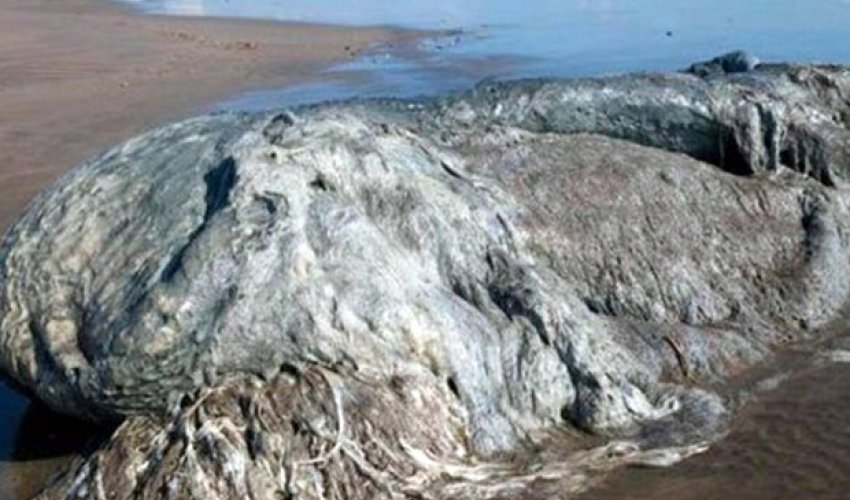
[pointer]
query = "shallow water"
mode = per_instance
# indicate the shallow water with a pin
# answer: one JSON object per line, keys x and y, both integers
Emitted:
{"x": 790, "y": 443}
{"x": 793, "y": 442}
{"x": 506, "y": 38}
{"x": 35, "y": 444}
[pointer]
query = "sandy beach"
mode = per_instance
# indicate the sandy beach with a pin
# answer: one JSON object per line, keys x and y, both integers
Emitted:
{"x": 78, "y": 76}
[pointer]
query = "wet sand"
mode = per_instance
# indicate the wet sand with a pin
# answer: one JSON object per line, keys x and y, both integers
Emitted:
{"x": 78, "y": 76}
{"x": 791, "y": 443}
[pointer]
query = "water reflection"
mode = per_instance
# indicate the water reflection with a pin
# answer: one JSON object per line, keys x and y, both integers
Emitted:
{"x": 385, "y": 74}
{"x": 502, "y": 38}
{"x": 36, "y": 443}
{"x": 12, "y": 410}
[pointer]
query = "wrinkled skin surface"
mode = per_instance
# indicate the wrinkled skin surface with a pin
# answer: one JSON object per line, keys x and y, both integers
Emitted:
{"x": 432, "y": 299}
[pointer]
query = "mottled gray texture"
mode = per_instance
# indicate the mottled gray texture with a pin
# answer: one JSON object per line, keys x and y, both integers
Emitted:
{"x": 739, "y": 61}
{"x": 429, "y": 298}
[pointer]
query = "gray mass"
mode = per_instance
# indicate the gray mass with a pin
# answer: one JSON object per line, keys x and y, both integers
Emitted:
{"x": 444, "y": 298}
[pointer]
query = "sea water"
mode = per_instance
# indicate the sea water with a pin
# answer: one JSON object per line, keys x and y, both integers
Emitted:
{"x": 530, "y": 38}
{"x": 803, "y": 425}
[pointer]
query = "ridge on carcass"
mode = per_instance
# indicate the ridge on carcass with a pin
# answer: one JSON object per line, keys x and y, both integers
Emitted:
{"x": 501, "y": 291}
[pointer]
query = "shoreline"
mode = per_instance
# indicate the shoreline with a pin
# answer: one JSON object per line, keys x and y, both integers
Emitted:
{"x": 685, "y": 359}
{"x": 81, "y": 76}
{"x": 68, "y": 95}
